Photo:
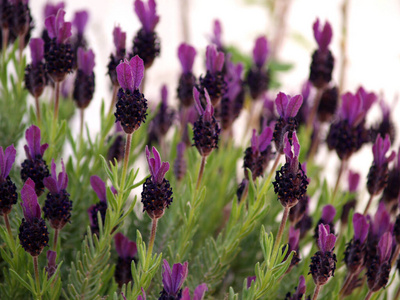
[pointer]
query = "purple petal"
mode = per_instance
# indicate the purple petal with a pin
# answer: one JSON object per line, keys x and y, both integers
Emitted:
{"x": 351, "y": 109}
{"x": 32, "y": 136}
{"x": 328, "y": 214}
{"x": 162, "y": 171}
{"x": 125, "y": 76}
{"x": 209, "y": 111}
{"x": 186, "y": 55}
{"x": 50, "y": 184}
{"x": 379, "y": 150}
{"x": 86, "y": 61}
{"x": 157, "y": 160}
{"x": 30, "y": 203}
{"x": 64, "y": 32}
{"x": 164, "y": 95}
{"x": 288, "y": 148}
{"x": 50, "y": 24}
{"x": 301, "y": 288}
{"x": 281, "y": 103}
{"x": 250, "y": 279}
{"x": 199, "y": 291}
{"x": 51, "y": 258}
{"x": 37, "y": 50}
{"x": 119, "y": 38}
{"x": 80, "y": 21}
{"x": 354, "y": 179}
{"x": 260, "y": 51}
{"x": 197, "y": 103}
{"x": 293, "y": 106}
{"x": 52, "y": 9}
{"x": 180, "y": 149}
{"x": 361, "y": 227}
{"x": 385, "y": 247}
{"x": 62, "y": 182}
{"x": 217, "y": 30}
{"x": 305, "y": 90}
{"x": 124, "y": 247}
{"x": 294, "y": 238}
{"x": 368, "y": 99}
{"x": 43, "y": 148}
{"x": 99, "y": 187}
{"x": 265, "y": 138}
{"x": 166, "y": 277}
{"x": 140, "y": 296}
{"x": 137, "y": 67}
{"x": 7, "y": 160}
{"x": 150, "y": 162}
{"x": 254, "y": 142}
{"x": 214, "y": 59}
{"x": 323, "y": 231}
{"x": 185, "y": 294}
{"x": 381, "y": 222}
{"x": 147, "y": 17}
{"x": 179, "y": 274}
{"x": 324, "y": 36}
{"x": 296, "y": 145}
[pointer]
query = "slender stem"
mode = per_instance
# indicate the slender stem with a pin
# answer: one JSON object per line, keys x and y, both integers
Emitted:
{"x": 343, "y": 44}
{"x": 141, "y": 88}
{"x": 56, "y": 231}
{"x": 369, "y": 203}
{"x": 38, "y": 110}
{"x": 280, "y": 233}
{"x": 346, "y": 283}
{"x": 314, "y": 109}
{"x": 36, "y": 268}
{"x": 152, "y": 238}
{"x": 369, "y": 295}
{"x": 397, "y": 296}
{"x": 126, "y": 161}
{"x": 184, "y": 19}
{"x": 82, "y": 115}
{"x": 21, "y": 39}
{"x": 56, "y": 99}
{"x": 5, "y": 39}
{"x": 7, "y": 222}
{"x": 341, "y": 169}
{"x": 201, "y": 171}
{"x": 395, "y": 255}
{"x": 316, "y": 292}
{"x": 274, "y": 166}
{"x": 314, "y": 144}
{"x": 114, "y": 98}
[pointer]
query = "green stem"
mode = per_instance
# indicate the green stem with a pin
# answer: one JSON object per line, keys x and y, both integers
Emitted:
{"x": 280, "y": 233}
{"x": 152, "y": 239}
{"x": 114, "y": 99}
{"x": 56, "y": 101}
{"x": 314, "y": 109}
{"x": 369, "y": 295}
{"x": 397, "y": 296}
{"x": 368, "y": 204}
{"x": 7, "y": 222}
{"x": 316, "y": 292}
{"x": 341, "y": 169}
{"x": 269, "y": 178}
{"x": 82, "y": 115}
{"x": 36, "y": 268}
{"x": 38, "y": 110}
{"x": 346, "y": 283}
{"x": 395, "y": 255}
{"x": 56, "y": 231}
{"x": 201, "y": 171}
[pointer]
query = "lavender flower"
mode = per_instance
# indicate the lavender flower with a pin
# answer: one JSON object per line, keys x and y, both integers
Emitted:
{"x": 322, "y": 60}
{"x": 85, "y": 80}
{"x": 323, "y": 263}
{"x": 216, "y": 38}
{"x": 258, "y": 78}
{"x": 8, "y": 190}
{"x": 328, "y": 214}
{"x": 119, "y": 38}
{"x": 180, "y": 162}
{"x": 328, "y": 104}
{"x": 131, "y": 105}
{"x": 287, "y": 109}
{"x": 173, "y": 280}
{"x": 304, "y": 110}
{"x": 293, "y": 245}
{"x": 391, "y": 192}
{"x": 78, "y": 40}
{"x": 386, "y": 126}
{"x": 300, "y": 290}
{"x": 33, "y": 234}
{"x": 198, "y": 294}
{"x": 58, "y": 52}
{"x": 51, "y": 263}
{"x": 206, "y": 129}
{"x": 187, "y": 80}
{"x": 157, "y": 192}
{"x": 35, "y": 74}
{"x": 57, "y": 207}
{"x": 127, "y": 251}
{"x": 146, "y": 43}
{"x": 290, "y": 181}
{"x": 34, "y": 166}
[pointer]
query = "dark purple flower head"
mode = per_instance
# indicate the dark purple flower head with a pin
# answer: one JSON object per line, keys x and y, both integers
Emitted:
{"x": 260, "y": 143}
{"x": 186, "y": 55}
{"x": 86, "y": 61}
{"x": 157, "y": 168}
{"x": 99, "y": 187}
{"x": 173, "y": 280}
{"x": 124, "y": 247}
{"x": 328, "y": 214}
{"x": 354, "y": 180}
{"x": 80, "y": 21}
{"x": 260, "y": 51}
{"x": 217, "y": 31}
{"x": 294, "y": 238}
{"x": 130, "y": 73}
{"x": 52, "y": 9}
{"x": 352, "y": 109}
{"x": 57, "y": 28}
{"x": 381, "y": 222}
{"x": 119, "y": 39}
{"x": 37, "y": 51}
{"x": 214, "y": 59}
{"x": 147, "y": 14}
{"x": 288, "y": 106}
{"x": 7, "y": 159}
{"x": 30, "y": 204}
{"x": 323, "y": 35}
{"x": 361, "y": 227}
{"x": 209, "y": 111}
{"x": 198, "y": 294}
{"x": 54, "y": 184}
{"x": 34, "y": 148}
{"x": 379, "y": 150}
{"x": 385, "y": 109}
{"x": 368, "y": 99}
{"x": 292, "y": 157}
{"x": 385, "y": 247}
{"x": 327, "y": 240}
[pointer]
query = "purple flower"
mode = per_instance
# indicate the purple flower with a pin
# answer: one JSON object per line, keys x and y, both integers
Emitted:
{"x": 217, "y": 31}
{"x": 80, "y": 21}
{"x": 361, "y": 227}
{"x": 57, "y": 28}
{"x": 294, "y": 238}
{"x": 51, "y": 263}
{"x": 147, "y": 14}
{"x": 385, "y": 247}
{"x": 250, "y": 280}
{"x": 300, "y": 290}
{"x": 30, "y": 204}
{"x": 380, "y": 224}
{"x": 7, "y": 159}
{"x": 86, "y": 61}
{"x": 260, "y": 51}
{"x": 173, "y": 280}
{"x": 260, "y": 143}
{"x": 53, "y": 184}
{"x": 352, "y": 109}
{"x": 198, "y": 294}
{"x": 186, "y": 55}
{"x": 37, "y": 51}
{"x": 130, "y": 73}
{"x": 119, "y": 39}
{"x": 99, "y": 187}
{"x": 327, "y": 240}
{"x": 328, "y": 214}
{"x": 379, "y": 150}
{"x": 292, "y": 157}
{"x": 323, "y": 36}
{"x": 214, "y": 59}
{"x": 34, "y": 148}
{"x": 367, "y": 98}
{"x": 157, "y": 168}
{"x": 287, "y": 106}
{"x": 207, "y": 113}
{"x": 124, "y": 247}
{"x": 52, "y": 9}
{"x": 354, "y": 180}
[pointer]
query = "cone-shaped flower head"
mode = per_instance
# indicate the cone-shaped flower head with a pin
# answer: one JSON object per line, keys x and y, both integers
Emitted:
{"x": 157, "y": 192}
{"x": 57, "y": 207}
{"x": 291, "y": 181}
{"x": 173, "y": 280}
{"x": 300, "y": 290}
{"x": 287, "y": 108}
{"x": 147, "y": 14}
{"x": 328, "y": 104}
{"x": 85, "y": 80}
{"x": 180, "y": 162}
{"x": 258, "y": 155}
{"x": 206, "y": 129}
{"x": 127, "y": 251}
{"x": 131, "y": 105}
{"x": 80, "y": 20}
{"x": 260, "y": 51}
{"x": 35, "y": 75}
{"x": 198, "y": 294}
{"x": 57, "y": 28}
{"x": 8, "y": 190}
{"x": 323, "y": 263}
{"x": 379, "y": 172}
{"x": 51, "y": 263}
{"x": 33, "y": 234}
{"x": 187, "y": 80}
{"x": 380, "y": 224}
{"x": 34, "y": 166}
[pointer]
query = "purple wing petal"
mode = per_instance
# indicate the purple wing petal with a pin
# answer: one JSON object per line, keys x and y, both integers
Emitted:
{"x": 294, "y": 106}
{"x": 8, "y": 160}
{"x": 287, "y": 148}
{"x": 323, "y": 232}
{"x": 64, "y": 32}
{"x": 140, "y": 11}
{"x": 51, "y": 258}
{"x": 260, "y": 51}
{"x": 219, "y": 62}
{"x": 37, "y": 50}
{"x": 137, "y": 67}
{"x": 99, "y": 187}
{"x": 325, "y": 37}
{"x": 119, "y": 239}
{"x": 119, "y": 38}
{"x": 86, "y": 61}
{"x": 197, "y": 103}
{"x": 186, "y": 55}
{"x": 164, "y": 95}
{"x": 162, "y": 171}
{"x": 62, "y": 178}
{"x": 153, "y": 18}
{"x": 209, "y": 111}
{"x": 166, "y": 277}
{"x": 328, "y": 214}
{"x": 80, "y": 20}
{"x": 330, "y": 242}
{"x": 361, "y": 227}
{"x": 211, "y": 54}
{"x": 354, "y": 179}
{"x": 185, "y": 294}
{"x": 125, "y": 76}
{"x": 296, "y": 145}
{"x": 32, "y": 136}
{"x": 254, "y": 141}
{"x": 199, "y": 291}
{"x": 301, "y": 288}
{"x": 265, "y": 138}
{"x": 281, "y": 103}
{"x": 179, "y": 274}
{"x": 150, "y": 162}
{"x": 385, "y": 247}
{"x": 52, "y": 9}
{"x": 30, "y": 203}
{"x": 294, "y": 238}
{"x": 50, "y": 24}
